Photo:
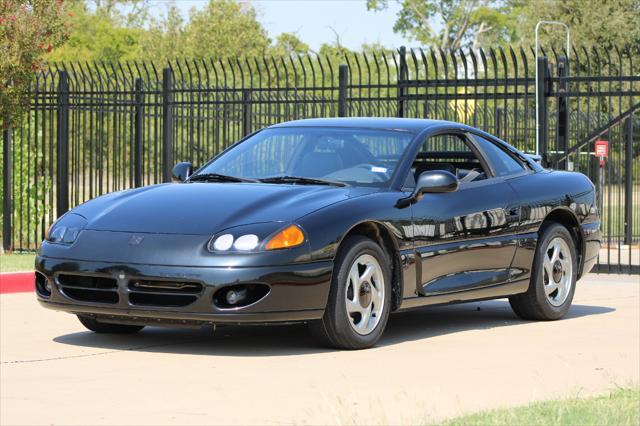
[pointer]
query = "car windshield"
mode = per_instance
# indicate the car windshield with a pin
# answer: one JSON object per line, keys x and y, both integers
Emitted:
{"x": 314, "y": 155}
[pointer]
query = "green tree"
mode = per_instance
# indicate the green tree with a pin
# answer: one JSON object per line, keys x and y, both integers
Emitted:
{"x": 169, "y": 36}
{"x": 451, "y": 24}
{"x": 288, "y": 44}
{"x": 165, "y": 38}
{"x": 28, "y": 30}
{"x": 99, "y": 34}
{"x": 592, "y": 22}
{"x": 224, "y": 28}
{"x": 132, "y": 13}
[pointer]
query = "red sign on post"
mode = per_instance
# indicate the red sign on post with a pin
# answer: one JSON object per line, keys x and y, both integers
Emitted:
{"x": 602, "y": 150}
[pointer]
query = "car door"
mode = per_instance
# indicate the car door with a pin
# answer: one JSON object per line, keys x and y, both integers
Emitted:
{"x": 464, "y": 239}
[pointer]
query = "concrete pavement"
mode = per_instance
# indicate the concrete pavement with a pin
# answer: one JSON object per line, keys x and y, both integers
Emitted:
{"x": 431, "y": 364}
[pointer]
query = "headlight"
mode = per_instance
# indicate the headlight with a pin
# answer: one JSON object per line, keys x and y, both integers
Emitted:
{"x": 261, "y": 236}
{"x": 246, "y": 242}
{"x": 66, "y": 229}
{"x": 223, "y": 242}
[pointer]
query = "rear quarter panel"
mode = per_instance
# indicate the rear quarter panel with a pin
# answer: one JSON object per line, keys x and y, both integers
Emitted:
{"x": 543, "y": 193}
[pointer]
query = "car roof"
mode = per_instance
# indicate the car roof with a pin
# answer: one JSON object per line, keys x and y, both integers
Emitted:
{"x": 387, "y": 123}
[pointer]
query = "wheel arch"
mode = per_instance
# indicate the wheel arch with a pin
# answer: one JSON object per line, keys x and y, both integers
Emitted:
{"x": 379, "y": 233}
{"x": 567, "y": 218}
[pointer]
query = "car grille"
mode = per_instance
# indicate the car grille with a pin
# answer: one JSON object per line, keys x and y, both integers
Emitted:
{"x": 89, "y": 288}
{"x": 163, "y": 293}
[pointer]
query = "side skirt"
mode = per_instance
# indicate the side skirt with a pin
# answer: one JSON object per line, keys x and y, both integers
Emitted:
{"x": 492, "y": 292}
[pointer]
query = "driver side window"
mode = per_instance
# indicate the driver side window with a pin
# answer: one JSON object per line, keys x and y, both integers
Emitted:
{"x": 502, "y": 163}
{"x": 449, "y": 152}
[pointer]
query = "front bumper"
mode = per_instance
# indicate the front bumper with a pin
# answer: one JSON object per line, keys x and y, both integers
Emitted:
{"x": 297, "y": 292}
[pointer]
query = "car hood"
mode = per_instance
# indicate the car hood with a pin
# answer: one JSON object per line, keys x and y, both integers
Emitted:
{"x": 206, "y": 208}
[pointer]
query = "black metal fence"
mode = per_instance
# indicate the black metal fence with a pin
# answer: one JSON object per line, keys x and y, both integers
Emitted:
{"x": 96, "y": 128}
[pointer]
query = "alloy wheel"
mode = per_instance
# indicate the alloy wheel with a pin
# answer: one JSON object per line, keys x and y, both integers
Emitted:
{"x": 558, "y": 271}
{"x": 364, "y": 294}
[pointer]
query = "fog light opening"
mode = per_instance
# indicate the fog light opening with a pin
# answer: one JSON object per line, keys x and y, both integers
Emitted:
{"x": 43, "y": 285}
{"x": 239, "y": 295}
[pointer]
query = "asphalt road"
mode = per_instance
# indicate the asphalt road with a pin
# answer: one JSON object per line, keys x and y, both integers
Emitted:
{"x": 432, "y": 363}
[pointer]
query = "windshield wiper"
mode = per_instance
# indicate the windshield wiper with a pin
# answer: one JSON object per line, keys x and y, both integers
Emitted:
{"x": 301, "y": 180}
{"x": 216, "y": 177}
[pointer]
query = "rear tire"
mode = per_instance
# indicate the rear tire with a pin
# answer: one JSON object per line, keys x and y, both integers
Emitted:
{"x": 101, "y": 327}
{"x": 360, "y": 297}
{"x": 553, "y": 277}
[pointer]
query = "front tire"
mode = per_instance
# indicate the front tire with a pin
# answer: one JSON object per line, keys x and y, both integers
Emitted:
{"x": 101, "y": 327}
{"x": 360, "y": 297}
{"x": 553, "y": 277}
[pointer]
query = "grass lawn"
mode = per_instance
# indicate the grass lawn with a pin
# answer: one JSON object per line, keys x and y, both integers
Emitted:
{"x": 621, "y": 407}
{"x": 613, "y": 220}
{"x": 16, "y": 262}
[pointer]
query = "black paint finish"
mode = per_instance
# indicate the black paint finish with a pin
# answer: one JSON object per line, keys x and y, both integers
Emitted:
{"x": 481, "y": 236}
{"x": 476, "y": 242}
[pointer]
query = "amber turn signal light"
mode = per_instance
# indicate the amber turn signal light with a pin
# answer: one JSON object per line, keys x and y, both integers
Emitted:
{"x": 289, "y": 237}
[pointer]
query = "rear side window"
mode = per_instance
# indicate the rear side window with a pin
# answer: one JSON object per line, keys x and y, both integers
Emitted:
{"x": 502, "y": 163}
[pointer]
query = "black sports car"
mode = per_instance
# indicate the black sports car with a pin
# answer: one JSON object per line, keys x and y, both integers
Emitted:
{"x": 334, "y": 222}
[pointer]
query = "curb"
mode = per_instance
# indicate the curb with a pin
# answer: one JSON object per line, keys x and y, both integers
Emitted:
{"x": 16, "y": 282}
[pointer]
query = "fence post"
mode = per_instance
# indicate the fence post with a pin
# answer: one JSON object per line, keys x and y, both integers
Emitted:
{"x": 246, "y": 112}
{"x": 596, "y": 178}
{"x": 402, "y": 78}
{"x": 628, "y": 183}
{"x": 62, "y": 163}
{"x": 7, "y": 188}
{"x": 541, "y": 105}
{"x": 138, "y": 135}
{"x": 562, "y": 129}
{"x": 343, "y": 81}
{"x": 499, "y": 118}
{"x": 167, "y": 125}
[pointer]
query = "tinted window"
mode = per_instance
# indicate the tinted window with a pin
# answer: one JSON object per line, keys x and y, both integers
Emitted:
{"x": 502, "y": 163}
{"x": 268, "y": 158}
{"x": 355, "y": 156}
{"x": 450, "y": 152}
{"x": 445, "y": 143}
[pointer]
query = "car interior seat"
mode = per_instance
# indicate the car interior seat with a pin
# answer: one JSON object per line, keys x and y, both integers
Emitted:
{"x": 316, "y": 164}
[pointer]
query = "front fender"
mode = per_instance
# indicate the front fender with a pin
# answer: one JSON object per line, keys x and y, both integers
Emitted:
{"x": 328, "y": 226}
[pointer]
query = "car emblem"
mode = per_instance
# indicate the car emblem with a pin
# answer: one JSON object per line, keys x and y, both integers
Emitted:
{"x": 135, "y": 240}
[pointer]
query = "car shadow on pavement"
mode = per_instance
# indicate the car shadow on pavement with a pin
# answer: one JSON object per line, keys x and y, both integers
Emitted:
{"x": 294, "y": 339}
{"x": 440, "y": 320}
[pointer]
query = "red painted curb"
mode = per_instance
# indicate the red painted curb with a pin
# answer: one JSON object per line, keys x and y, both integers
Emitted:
{"x": 17, "y": 282}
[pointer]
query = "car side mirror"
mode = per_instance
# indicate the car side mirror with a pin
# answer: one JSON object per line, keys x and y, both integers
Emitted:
{"x": 181, "y": 171}
{"x": 435, "y": 181}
